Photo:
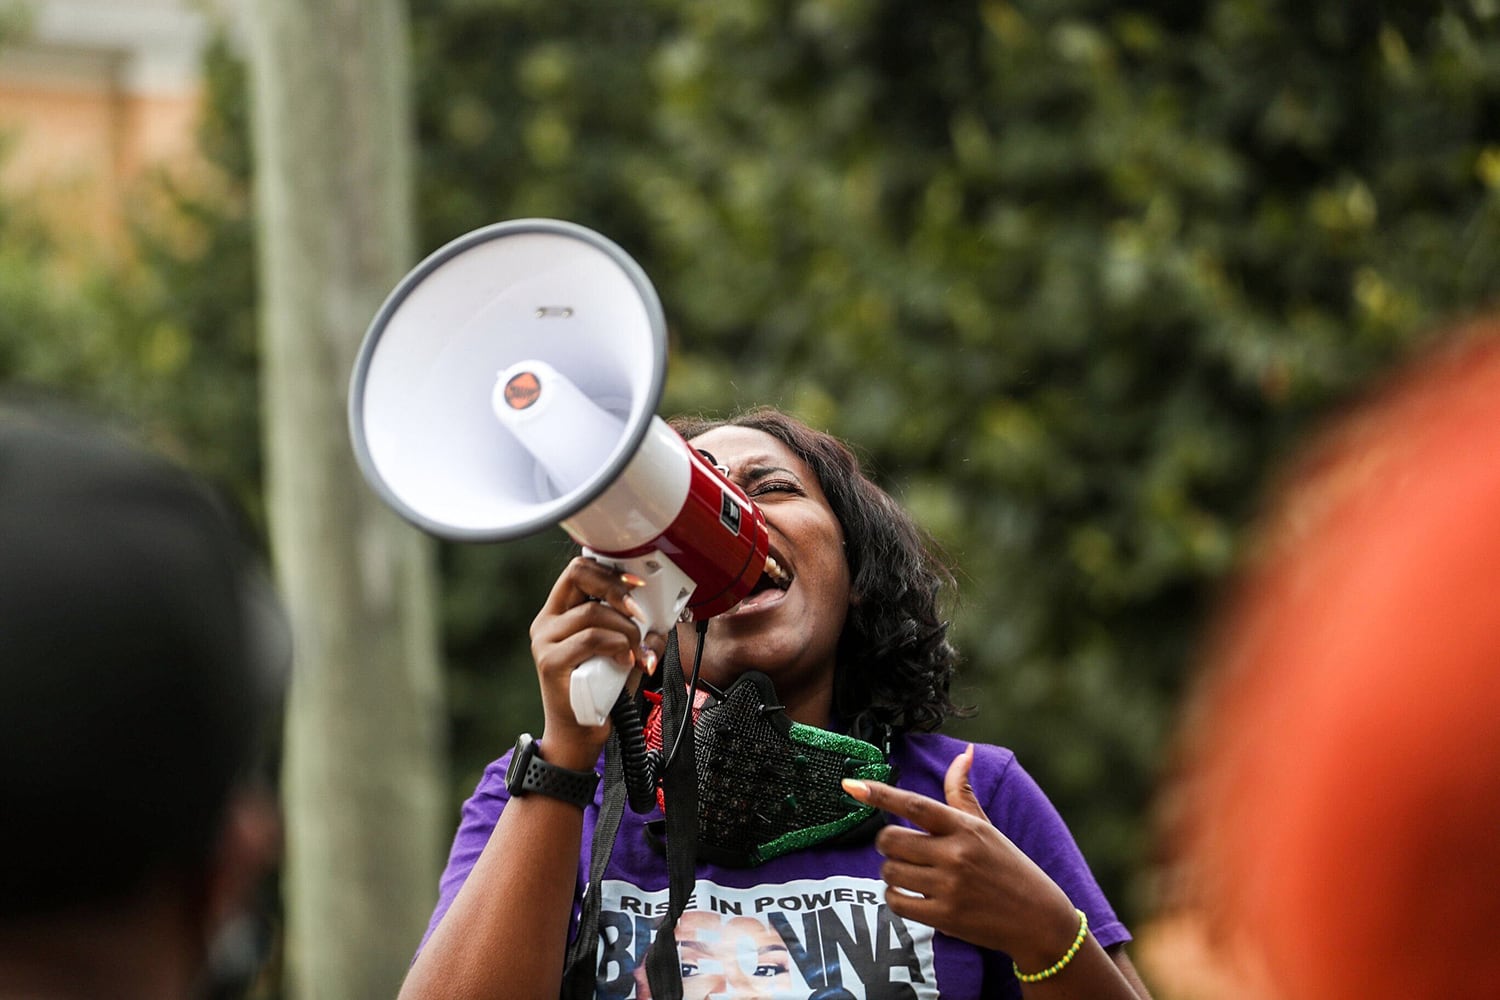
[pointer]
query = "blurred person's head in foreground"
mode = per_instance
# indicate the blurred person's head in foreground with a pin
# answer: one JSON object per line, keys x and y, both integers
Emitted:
{"x": 142, "y": 655}
{"x": 1338, "y": 826}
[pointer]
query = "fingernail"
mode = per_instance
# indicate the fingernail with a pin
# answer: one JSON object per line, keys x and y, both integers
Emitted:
{"x": 856, "y": 789}
{"x": 631, "y": 580}
{"x": 648, "y": 657}
{"x": 634, "y": 607}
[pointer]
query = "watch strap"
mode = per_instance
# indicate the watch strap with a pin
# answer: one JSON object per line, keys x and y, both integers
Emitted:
{"x": 536, "y": 776}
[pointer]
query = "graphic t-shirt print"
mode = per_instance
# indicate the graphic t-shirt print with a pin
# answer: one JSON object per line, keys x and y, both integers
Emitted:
{"x": 831, "y": 938}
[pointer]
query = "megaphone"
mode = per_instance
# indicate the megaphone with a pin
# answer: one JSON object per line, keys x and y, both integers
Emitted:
{"x": 510, "y": 383}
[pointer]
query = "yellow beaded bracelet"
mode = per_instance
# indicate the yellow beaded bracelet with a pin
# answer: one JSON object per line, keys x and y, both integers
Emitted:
{"x": 1062, "y": 963}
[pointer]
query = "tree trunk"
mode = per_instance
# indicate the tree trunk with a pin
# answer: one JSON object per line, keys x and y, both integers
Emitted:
{"x": 363, "y": 767}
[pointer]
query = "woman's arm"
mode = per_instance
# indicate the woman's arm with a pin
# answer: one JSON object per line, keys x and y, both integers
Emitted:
{"x": 507, "y": 930}
{"x": 961, "y": 875}
{"x": 505, "y": 935}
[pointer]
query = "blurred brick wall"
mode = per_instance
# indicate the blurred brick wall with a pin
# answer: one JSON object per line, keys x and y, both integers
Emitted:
{"x": 94, "y": 94}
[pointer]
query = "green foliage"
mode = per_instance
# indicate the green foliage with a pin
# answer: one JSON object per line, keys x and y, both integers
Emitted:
{"x": 164, "y": 340}
{"x": 1072, "y": 275}
{"x": 186, "y": 306}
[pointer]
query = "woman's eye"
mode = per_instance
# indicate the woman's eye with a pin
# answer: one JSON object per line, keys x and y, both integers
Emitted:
{"x": 768, "y": 971}
{"x": 689, "y": 969}
{"x": 774, "y": 486}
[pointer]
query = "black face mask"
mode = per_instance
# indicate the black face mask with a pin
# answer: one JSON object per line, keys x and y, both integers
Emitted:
{"x": 768, "y": 786}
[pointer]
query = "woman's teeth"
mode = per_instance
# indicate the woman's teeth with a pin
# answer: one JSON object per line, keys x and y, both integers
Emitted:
{"x": 778, "y": 576}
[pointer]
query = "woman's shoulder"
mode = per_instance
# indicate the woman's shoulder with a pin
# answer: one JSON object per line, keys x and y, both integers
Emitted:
{"x": 922, "y": 760}
{"x": 1009, "y": 794}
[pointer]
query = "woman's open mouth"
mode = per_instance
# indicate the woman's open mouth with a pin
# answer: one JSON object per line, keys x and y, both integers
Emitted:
{"x": 772, "y": 586}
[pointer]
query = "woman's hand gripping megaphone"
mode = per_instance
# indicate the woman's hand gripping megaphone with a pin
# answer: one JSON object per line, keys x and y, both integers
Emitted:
{"x": 596, "y": 684}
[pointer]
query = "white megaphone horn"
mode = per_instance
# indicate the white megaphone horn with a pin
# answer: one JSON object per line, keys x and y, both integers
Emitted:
{"x": 509, "y": 383}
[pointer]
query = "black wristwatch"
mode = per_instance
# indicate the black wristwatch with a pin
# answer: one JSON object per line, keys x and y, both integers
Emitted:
{"x": 528, "y": 773}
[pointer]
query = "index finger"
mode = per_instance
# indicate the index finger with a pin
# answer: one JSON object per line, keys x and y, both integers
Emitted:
{"x": 927, "y": 813}
{"x": 585, "y": 579}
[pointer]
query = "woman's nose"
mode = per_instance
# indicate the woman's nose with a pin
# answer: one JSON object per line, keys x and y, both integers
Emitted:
{"x": 738, "y": 986}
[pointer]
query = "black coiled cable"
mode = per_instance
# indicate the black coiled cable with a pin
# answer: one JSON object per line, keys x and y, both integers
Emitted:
{"x": 638, "y": 762}
{"x": 643, "y": 767}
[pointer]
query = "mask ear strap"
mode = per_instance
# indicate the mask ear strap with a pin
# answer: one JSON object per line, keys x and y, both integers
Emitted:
{"x": 680, "y": 794}
{"x": 582, "y": 960}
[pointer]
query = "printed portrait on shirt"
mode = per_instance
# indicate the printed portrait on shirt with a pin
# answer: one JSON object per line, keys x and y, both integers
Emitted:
{"x": 825, "y": 939}
{"x": 728, "y": 956}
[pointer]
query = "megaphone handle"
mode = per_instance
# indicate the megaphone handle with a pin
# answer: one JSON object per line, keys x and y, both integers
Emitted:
{"x": 594, "y": 687}
{"x": 597, "y": 682}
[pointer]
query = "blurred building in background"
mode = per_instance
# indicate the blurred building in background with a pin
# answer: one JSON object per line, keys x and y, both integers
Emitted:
{"x": 95, "y": 94}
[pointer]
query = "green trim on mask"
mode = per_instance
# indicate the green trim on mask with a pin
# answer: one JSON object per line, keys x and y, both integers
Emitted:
{"x": 875, "y": 768}
{"x": 823, "y": 739}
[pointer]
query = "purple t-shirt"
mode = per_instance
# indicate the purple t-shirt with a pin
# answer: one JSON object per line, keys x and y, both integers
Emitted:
{"x": 813, "y": 922}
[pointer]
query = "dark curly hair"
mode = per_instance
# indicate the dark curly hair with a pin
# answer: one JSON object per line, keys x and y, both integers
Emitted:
{"x": 895, "y": 664}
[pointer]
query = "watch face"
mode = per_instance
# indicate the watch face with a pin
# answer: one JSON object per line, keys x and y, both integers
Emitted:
{"x": 516, "y": 769}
